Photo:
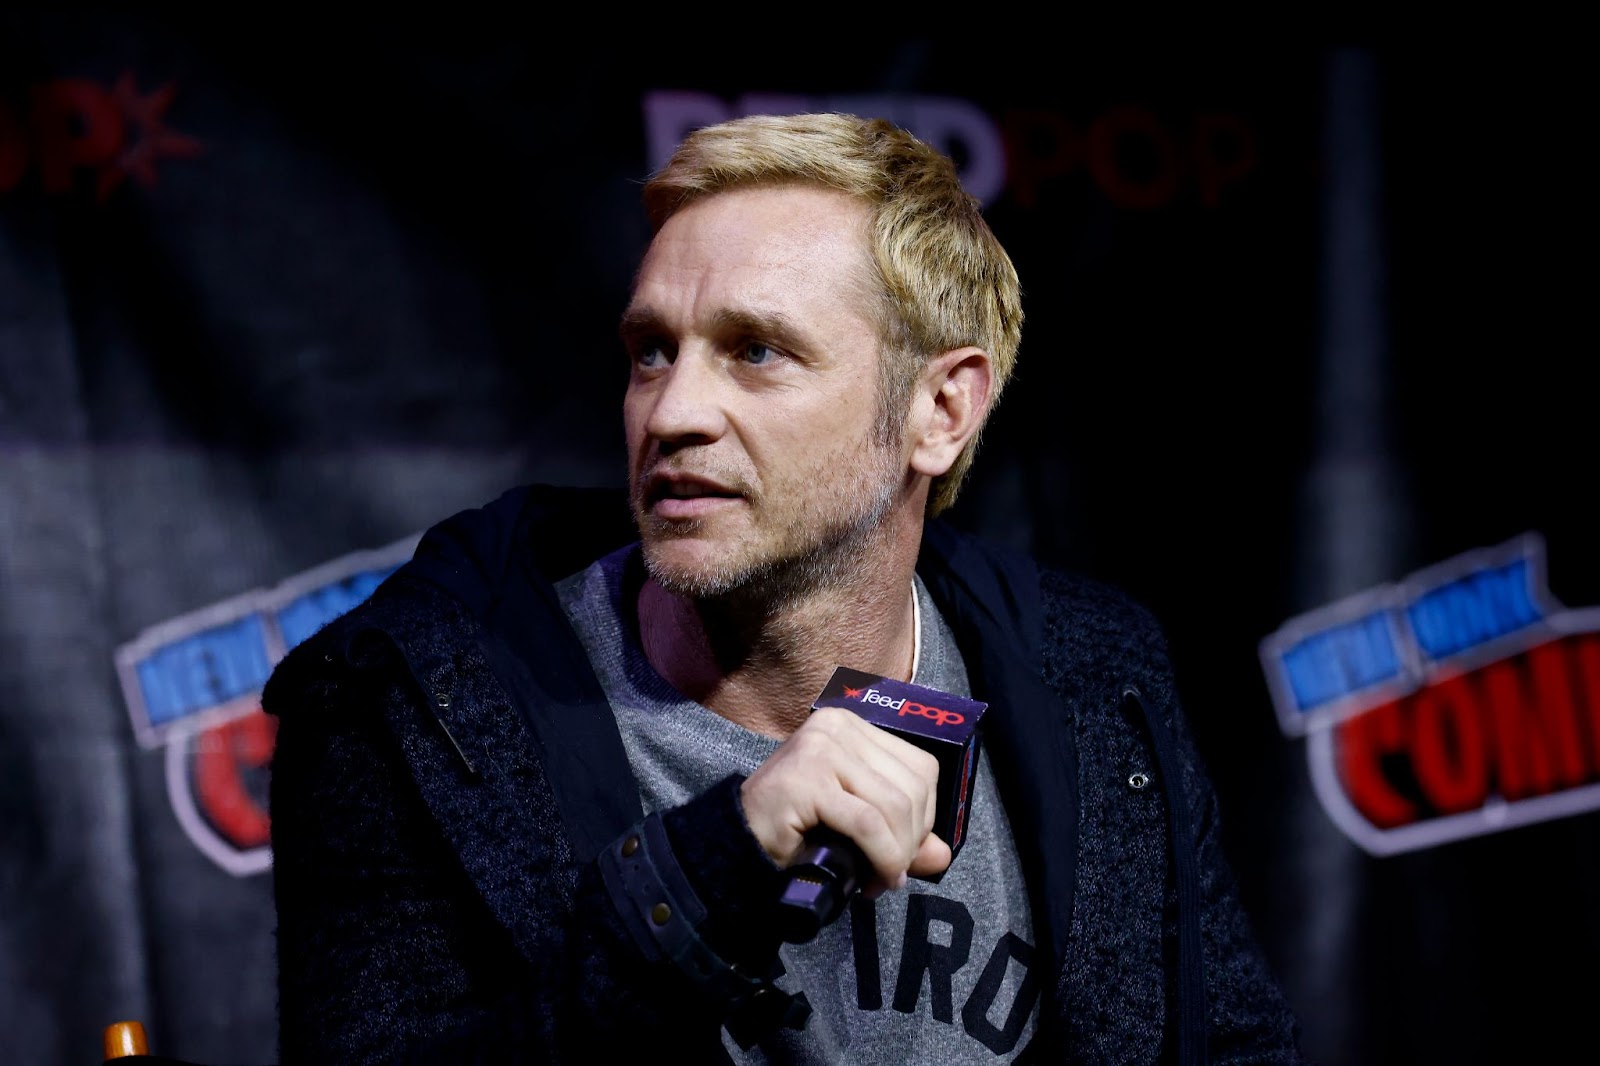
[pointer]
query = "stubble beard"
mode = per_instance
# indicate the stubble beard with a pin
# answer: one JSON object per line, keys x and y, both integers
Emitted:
{"x": 815, "y": 553}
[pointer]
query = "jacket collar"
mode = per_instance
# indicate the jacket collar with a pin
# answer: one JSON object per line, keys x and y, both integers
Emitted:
{"x": 502, "y": 561}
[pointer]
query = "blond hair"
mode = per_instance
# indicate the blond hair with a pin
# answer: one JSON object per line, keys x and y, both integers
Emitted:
{"x": 945, "y": 280}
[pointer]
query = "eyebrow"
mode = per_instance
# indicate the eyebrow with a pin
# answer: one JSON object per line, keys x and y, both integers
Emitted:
{"x": 637, "y": 321}
{"x": 780, "y": 328}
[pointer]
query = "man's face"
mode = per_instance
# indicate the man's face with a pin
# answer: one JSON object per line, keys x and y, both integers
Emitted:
{"x": 750, "y": 412}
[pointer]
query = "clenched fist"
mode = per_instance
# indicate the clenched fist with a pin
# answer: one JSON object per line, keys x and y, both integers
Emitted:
{"x": 875, "y": 788}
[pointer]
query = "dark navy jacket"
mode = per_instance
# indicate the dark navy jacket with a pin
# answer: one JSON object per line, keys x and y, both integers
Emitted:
{"x": 449, "y": 796}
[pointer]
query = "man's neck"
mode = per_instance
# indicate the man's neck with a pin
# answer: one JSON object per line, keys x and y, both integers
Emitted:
{"x": 760, "y": 666}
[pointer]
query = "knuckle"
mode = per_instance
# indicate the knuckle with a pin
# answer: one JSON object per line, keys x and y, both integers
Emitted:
{"x": 832, "y": 720}
{"x": 809, "y": 742}
{"x": 907, "y": 808}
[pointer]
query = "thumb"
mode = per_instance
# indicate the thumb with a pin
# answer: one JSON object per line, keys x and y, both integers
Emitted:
{"x": 932, "y": 857}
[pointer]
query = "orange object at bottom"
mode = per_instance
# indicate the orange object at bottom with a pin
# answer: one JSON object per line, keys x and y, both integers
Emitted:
{"x": 125, "y": 1038}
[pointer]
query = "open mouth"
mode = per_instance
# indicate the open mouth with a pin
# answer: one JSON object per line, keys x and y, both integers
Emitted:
{"x": 685, "y": 490}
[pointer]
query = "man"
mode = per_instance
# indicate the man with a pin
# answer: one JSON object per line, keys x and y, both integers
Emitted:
{"x": 531, "y": 801}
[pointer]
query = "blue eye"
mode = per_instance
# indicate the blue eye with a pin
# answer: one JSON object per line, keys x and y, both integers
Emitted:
{"x": 650, "y": 356}
{"x": 756, "y": 354}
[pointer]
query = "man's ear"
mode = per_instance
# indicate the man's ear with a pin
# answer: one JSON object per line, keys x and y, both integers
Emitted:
{"x": 948, "y": 408}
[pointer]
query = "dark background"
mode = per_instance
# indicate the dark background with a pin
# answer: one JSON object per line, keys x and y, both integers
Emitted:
{"x": 379, "y": 284}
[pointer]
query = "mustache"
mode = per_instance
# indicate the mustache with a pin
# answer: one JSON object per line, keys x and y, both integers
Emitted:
{"x": 658, "y": 478}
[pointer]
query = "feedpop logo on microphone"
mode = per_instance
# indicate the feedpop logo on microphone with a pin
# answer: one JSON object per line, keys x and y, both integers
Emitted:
{"x": 905, "y": 705}
{"x": 938, "y": 722}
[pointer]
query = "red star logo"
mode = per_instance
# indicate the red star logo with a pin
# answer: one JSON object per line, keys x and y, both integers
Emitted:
{"x": 852, "y": 693}
{"x": 151, "y": 138}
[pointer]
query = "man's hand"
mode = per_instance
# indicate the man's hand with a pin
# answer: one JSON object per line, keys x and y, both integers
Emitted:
{"x": 875, "y": 788}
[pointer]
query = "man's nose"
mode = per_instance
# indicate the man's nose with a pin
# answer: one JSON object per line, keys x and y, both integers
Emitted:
{"x": 686, "y": 405}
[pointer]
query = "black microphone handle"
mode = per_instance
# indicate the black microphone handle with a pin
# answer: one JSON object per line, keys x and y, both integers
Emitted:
{"x": 818, "y": 883}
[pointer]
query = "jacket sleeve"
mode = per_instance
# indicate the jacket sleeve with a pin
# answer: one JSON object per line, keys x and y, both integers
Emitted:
{"x": 387, "y": 949}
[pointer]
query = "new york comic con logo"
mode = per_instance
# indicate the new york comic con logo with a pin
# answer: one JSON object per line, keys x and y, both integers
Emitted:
{"x": 193, "y": 684}
{"x": 1460, "y": 701}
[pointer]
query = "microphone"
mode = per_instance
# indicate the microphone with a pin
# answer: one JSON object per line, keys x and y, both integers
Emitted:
{"x": 830, "y": 868}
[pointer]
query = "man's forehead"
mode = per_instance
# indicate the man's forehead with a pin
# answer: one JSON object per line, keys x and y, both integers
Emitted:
{"x": 759, "y": 254}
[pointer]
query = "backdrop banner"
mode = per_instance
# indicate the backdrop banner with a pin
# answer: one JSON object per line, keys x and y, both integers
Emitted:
{"x": 1301, "y": 371}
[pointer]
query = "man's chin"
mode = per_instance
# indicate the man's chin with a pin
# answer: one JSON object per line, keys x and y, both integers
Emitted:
{"x": 689, "y": 566}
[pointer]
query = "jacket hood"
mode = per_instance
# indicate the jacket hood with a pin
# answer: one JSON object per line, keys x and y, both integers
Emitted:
{"x": 473, "y": 555}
